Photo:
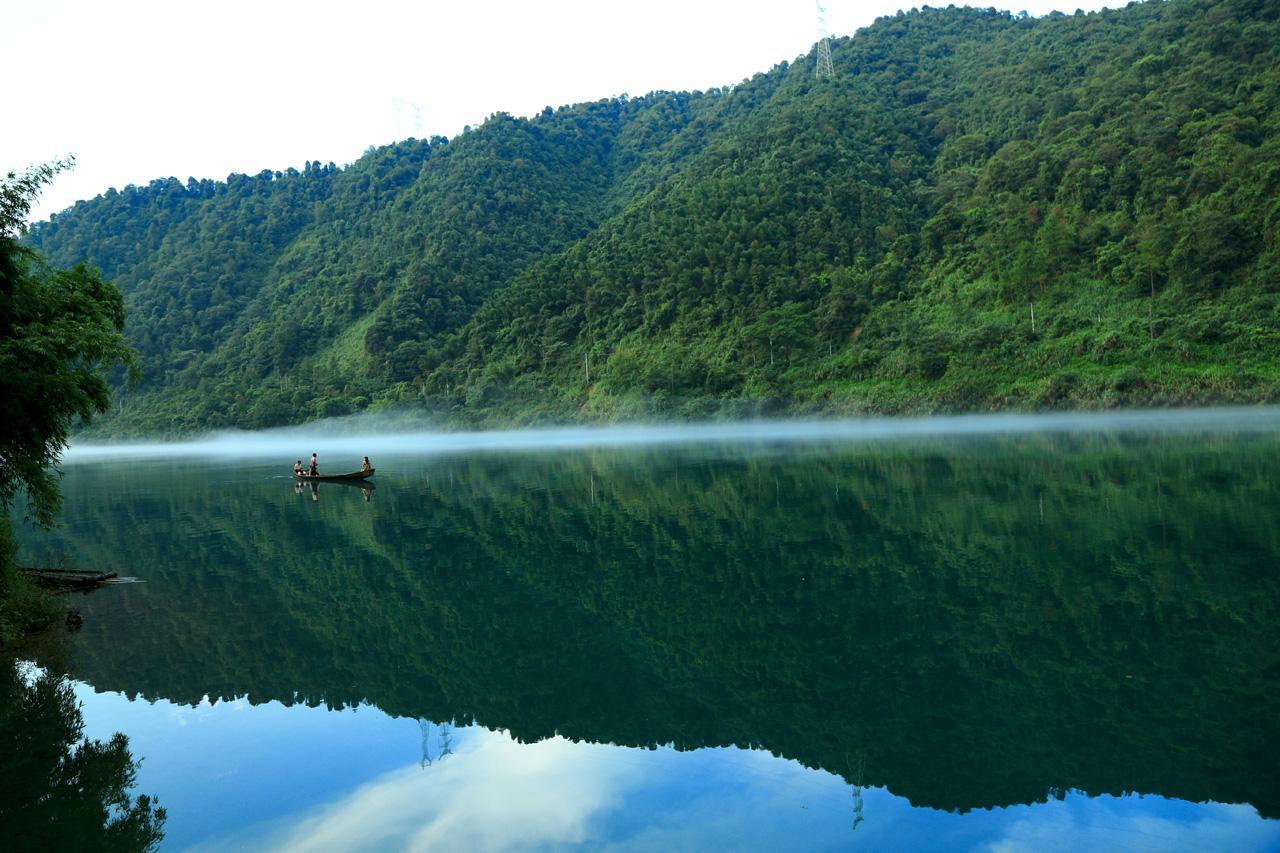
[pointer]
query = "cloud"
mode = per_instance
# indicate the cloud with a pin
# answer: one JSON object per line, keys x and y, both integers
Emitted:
{"x": 1100, "y": 825}
{"x": 496, "y": 794}
{"x": 492, "y": 794}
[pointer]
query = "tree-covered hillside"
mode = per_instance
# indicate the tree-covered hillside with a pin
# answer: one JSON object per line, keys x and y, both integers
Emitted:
{"x": 979, "y": 210}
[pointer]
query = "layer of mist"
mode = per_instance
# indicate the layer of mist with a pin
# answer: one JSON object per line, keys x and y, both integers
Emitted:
{"x": 375, "y": 435}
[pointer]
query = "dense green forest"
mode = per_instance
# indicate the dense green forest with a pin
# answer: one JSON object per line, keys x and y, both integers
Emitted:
{"x": 61, "y": 335}
{"x": 984, "y": 623}
{"x": 978, "y": 211}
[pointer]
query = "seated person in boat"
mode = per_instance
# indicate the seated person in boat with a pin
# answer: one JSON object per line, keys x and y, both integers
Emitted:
{"x": 297, "y": 467}
{"x": 366, "y": 466}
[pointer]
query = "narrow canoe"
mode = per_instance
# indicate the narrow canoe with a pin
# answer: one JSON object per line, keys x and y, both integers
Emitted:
{"x": 354, "y": 475}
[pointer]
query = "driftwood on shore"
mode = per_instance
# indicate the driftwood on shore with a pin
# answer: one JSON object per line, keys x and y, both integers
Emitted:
{"x": 70, "y": 578}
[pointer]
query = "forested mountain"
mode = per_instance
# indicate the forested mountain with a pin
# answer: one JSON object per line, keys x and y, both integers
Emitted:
{"x": 979, "y": 210}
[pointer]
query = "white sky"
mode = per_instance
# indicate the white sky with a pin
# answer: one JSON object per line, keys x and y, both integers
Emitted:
{"x": 140, "y": 89}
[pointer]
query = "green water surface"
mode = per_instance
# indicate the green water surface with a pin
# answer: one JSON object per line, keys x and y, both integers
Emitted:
{"x": 966, "y": 624}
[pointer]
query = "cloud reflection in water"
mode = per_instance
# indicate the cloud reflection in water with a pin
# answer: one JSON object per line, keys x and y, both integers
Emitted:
{"x": 495, "y": 794}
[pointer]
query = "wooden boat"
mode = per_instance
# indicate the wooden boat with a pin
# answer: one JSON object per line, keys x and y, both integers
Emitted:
{"x": 354, "y": 475}
{"x": 366, "y": 485}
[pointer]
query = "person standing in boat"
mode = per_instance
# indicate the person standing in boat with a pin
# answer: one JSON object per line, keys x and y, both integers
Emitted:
{"x": 315, "y": 468}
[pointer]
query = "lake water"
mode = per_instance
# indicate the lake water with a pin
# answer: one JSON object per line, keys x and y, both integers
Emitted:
{"x": 1014, "y": 642}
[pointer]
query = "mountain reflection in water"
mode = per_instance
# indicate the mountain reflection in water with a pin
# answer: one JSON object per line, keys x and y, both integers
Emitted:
{"x": 968, "y": 623}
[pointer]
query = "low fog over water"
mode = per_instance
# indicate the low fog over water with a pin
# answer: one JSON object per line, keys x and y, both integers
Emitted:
{"x": 375, "y": 436}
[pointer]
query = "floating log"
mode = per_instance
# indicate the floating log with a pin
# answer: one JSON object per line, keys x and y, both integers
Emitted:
{"x": 70, "y": 578}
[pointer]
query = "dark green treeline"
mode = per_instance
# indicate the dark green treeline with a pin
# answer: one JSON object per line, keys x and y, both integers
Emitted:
{"x": 58, "y": 789}
{"x": 983, "y": 623}
{"x": 980, "y": 210}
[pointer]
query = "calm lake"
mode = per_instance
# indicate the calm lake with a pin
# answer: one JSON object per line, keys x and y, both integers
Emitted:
{"x": 1065, "y": 640}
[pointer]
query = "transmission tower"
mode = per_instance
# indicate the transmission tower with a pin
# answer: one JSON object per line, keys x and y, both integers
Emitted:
{"x": 856, "y": 768}
{"x": 445, "y": 743}
{"x": 824, "y": 67}
{"x": 446, "y": 739}
{"x": 426, "y": 747}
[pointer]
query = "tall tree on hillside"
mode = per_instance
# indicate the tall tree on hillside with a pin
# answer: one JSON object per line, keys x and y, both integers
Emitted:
{"x": 1155, "y": 240}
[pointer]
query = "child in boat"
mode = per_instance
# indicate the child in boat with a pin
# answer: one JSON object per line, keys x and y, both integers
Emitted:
{"x": 297, "y": 467}
{"x": 366, "y": 466}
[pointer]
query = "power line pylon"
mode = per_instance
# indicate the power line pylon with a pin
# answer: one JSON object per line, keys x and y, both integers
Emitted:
{"x": 857, "y": 792}
{"x": 823, "y": 68}
{"x": 446, "y": 739}
{"x": 426, "y": 748}
{"x": 444, "y": 745}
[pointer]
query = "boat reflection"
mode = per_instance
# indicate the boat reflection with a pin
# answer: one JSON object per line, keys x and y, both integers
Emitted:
{"x": 313, "y": 488}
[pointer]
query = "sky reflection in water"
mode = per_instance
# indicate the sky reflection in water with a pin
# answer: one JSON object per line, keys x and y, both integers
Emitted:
{"x": 300, "y": 778}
